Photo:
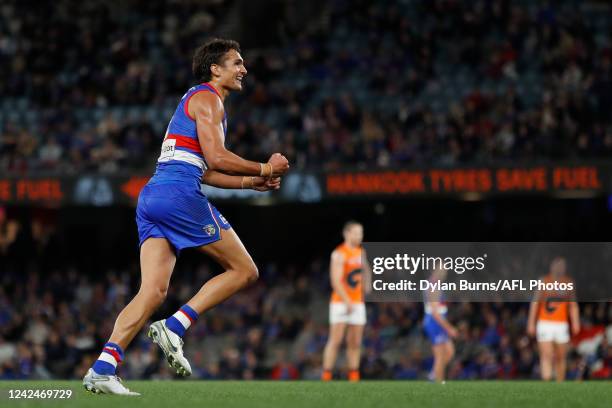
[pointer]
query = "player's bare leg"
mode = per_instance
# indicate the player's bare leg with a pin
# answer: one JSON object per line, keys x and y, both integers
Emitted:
{"x": 354, "y": 335}
{"x": 560, "y": 358}
{"x": 439, "y": 352}
{"x": 330, "y": 353}
{"x": 157, "y": 260}
{"x": 546, "y": 359}
{"x": 443, "y": 354}
{"x": 449, "y": 354}
{"x": 240, "y": 271}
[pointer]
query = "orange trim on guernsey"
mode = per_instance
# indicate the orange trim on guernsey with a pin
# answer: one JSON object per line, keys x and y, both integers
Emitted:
{"x": 553, "y": 307}
{"x": 351, "y": 275}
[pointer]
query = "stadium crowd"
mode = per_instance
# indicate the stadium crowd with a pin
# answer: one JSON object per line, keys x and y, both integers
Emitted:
{"x": 55, "y": 314}
{"x": 90, "y": 86}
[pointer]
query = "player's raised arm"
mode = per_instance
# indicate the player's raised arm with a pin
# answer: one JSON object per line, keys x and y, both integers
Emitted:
{"x": 208, "y": 111}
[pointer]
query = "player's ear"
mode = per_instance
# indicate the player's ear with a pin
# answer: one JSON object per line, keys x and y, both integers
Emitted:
{"x": 215, "y": 70}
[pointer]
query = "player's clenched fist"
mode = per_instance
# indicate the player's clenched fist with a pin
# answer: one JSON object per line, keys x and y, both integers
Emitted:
{"x": 280, "y": 164}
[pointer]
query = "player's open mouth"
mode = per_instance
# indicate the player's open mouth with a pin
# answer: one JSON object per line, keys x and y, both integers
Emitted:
{"x": 239, "y": 79}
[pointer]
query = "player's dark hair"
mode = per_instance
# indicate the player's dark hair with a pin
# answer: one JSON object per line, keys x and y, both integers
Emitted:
{"x": 350, "y": 224}
{"x": 211, "y": 52}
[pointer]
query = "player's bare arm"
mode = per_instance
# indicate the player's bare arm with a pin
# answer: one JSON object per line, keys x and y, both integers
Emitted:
{"x": 574, "y": 314}
{"x": 10, "y": 235}
{"x": 533, "y": 312}
{"x": 366, "y": 272}
{"x": 531, "y": 321}
{"x": 217, "y": 179}
{"x": 208, "y": 111}
{"x": 337, "y": 262}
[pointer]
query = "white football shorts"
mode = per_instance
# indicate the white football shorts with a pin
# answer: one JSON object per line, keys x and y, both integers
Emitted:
{"x": 338, "y": 314}
{"x": 557, "y": 332}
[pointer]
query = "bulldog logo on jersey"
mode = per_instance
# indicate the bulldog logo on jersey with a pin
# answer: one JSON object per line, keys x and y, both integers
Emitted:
{"x": 210, "y": 230}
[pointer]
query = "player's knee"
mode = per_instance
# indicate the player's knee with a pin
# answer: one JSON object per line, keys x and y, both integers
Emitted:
{"x": 334, "y": 342}
{"x": 353, "y": 347}
{"x": 353, "y": 344}
{"x": 548, "y": 355}
{"x": 449, "y": 357}
{"x": 159, "y": 294}
{"x": 249, "y": 273}
{"x": 154, "y": 294}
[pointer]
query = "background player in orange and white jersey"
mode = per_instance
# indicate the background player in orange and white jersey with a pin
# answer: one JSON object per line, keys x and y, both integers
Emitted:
{"x": 554, "y": 312}
{"x": 347, "y": 311}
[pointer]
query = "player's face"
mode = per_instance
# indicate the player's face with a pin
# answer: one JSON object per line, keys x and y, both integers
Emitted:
{"x": 440, "y": 274}
{"x": 232, "y": 71}
{"x": 354, "y": 235}
{"x": 557, "y": 267}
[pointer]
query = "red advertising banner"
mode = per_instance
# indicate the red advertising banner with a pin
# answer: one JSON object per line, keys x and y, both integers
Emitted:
{"x": 49, "y": 190}
{"x": 103, "y": 190}
{"x": 539, "y": 179}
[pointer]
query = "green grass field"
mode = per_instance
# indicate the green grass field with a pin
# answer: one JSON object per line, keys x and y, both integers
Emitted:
{"x": 379, "y": 394}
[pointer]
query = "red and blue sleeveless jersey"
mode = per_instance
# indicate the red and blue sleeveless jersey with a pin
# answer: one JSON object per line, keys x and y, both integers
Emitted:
{"x": 442, "y": 304}
{"x": 181, "y": 153}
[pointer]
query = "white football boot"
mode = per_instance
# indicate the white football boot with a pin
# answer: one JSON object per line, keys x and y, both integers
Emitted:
{"x": 172, "y": 346}
{"x": 105, "y": 384}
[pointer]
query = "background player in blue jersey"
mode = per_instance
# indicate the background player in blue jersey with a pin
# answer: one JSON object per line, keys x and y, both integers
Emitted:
{"x": 438, "y": 329}
{"x": 173, "y": 214}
